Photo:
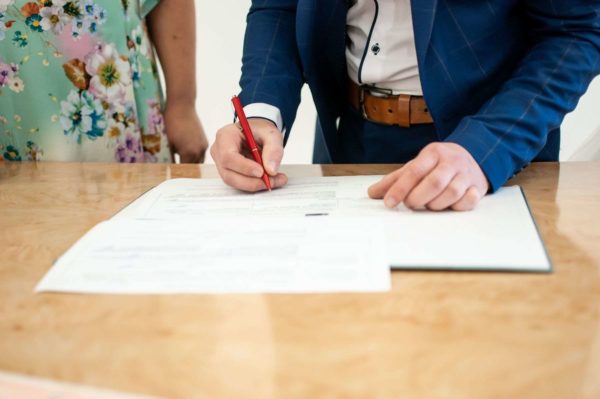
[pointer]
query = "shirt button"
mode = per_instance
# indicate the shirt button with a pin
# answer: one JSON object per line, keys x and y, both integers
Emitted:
{"x": 376, "y": 48}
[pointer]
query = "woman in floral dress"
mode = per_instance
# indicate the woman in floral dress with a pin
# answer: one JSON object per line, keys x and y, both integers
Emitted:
{"x": 79, "y": 82}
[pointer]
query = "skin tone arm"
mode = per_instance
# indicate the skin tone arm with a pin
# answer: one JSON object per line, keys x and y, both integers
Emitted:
{"x": 172, "y": 28}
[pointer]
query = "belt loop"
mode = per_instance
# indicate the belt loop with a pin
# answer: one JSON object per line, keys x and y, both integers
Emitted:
{"x": 404, "y": 107}
{"x": 361, "y": 102}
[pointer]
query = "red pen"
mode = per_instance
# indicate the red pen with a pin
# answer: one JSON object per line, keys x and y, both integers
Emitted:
{"x": 239, "y": 110}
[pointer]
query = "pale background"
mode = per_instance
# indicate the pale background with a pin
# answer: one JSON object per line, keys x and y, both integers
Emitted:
{"x": 220, "y": 29}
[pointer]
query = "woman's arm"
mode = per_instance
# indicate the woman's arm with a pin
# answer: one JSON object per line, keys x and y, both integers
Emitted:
{"x": 172, "y": 28}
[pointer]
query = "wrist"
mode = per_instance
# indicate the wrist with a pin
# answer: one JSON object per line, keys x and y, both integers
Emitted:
{"x": 262, "y": 121}
{"x": 180, "y": 105}
{"x": 181, "y": 100}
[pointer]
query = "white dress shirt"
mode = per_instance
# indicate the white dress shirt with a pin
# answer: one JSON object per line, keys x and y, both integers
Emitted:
{"x": 381, "y": 47}
{"x": 381, "y": 51}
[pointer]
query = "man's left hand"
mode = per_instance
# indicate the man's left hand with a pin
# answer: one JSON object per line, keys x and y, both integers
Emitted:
{"x": 443, "y": 176}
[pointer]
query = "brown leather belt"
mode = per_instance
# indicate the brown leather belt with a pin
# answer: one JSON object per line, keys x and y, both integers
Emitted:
{"x": 380, "y": 106}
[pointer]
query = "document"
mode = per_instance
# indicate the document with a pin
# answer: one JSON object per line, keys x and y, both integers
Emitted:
{"x": 188, "y": 198}
{"x": 14, "y": 386}
{"x": 319, "y": 234}
{"x": 225, "y": 255}
{"x": 500, "y": 234}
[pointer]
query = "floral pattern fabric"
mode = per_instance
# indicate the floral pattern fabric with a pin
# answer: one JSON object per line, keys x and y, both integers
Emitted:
{"x": 78, "y": 82}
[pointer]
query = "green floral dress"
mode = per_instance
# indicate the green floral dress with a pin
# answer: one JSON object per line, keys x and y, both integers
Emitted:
{"x": 78, "y": 82}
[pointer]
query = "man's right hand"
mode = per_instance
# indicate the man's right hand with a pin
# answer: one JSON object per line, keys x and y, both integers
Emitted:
{"x": 234, "y": 160}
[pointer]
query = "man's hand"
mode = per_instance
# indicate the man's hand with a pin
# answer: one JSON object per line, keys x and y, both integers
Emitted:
{"x": 235, "y": 163}
{"x": 185, "y": 133}
{"x": 442, "y": 176}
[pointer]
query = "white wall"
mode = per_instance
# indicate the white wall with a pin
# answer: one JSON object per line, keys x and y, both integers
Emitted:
{"x": 221, "y": 27}
{"x": 581, "y": 128}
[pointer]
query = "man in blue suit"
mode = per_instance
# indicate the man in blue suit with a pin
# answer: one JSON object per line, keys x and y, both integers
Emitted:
{"x": 467, "y": 93}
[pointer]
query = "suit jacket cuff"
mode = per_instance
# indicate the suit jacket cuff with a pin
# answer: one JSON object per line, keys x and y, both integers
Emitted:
{"x": 491, "y": 154}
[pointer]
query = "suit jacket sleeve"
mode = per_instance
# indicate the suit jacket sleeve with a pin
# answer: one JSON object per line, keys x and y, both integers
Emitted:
{"x": 271, "y": 68}
{"x": 511, "y": 127}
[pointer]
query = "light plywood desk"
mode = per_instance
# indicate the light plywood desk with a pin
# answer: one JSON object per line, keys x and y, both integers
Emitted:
{"x": 435, "y": 335}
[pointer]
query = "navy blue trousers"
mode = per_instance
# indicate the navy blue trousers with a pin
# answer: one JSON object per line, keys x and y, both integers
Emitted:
{"x": 361, "y": 141}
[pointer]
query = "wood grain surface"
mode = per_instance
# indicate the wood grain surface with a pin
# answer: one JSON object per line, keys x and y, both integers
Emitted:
{"x": 435, "y": 335}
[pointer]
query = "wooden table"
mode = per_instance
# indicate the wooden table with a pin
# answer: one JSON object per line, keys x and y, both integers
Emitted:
{"x": 435, "y": 335}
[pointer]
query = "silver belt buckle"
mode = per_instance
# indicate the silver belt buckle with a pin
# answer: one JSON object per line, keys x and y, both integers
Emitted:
{"x": 370, "y": 89}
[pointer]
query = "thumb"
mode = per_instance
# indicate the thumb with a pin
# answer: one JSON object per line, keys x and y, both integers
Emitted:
{"x": 271, "y": 140}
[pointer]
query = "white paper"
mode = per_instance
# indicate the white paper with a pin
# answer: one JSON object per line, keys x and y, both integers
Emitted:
{"x": 499, "y": 234}
{"x": 16, "y": 386}
{"x": 195, "y": 198}
{"x": 320, "y": 234}
{"x": 225, "y": 255}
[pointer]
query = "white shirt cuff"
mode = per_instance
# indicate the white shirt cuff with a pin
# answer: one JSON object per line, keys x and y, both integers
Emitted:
{"x": 265, "y": 111}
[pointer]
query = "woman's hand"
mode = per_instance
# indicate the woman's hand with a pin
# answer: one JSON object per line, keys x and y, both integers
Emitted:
{"x": 172, "y": 28}
{"x": 185, "y": 133}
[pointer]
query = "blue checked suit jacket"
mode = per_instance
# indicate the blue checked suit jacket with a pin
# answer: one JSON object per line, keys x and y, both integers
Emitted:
{"x": 498, "y": 75}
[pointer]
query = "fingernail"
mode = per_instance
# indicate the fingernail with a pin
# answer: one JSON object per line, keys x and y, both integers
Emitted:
{"x": 390, "y": 202}
{"x": 258, "y": 172}
{"x": 273, "y": 166}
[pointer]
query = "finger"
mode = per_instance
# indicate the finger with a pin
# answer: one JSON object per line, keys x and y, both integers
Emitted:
{"x": 227, "y": 149}
{"x": 229, "y": 139}
{"x": 279, "y": 180}
{"x": 272, "y": 148}
{"x": 430, "y": 187}
{"x": 241, "y": 182}
{"x": 251, "y": 184}
{"x": 172, "y": 153}
{"x": 192, "y": 152}
{"x": 237, "y": 163}
{"x": 189, "y": 157}
{"x": 452, "y": 194}
{"x": 469, "y": 201}
{"x": 378, "y": 190}
{"x": 413, "y": 173}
